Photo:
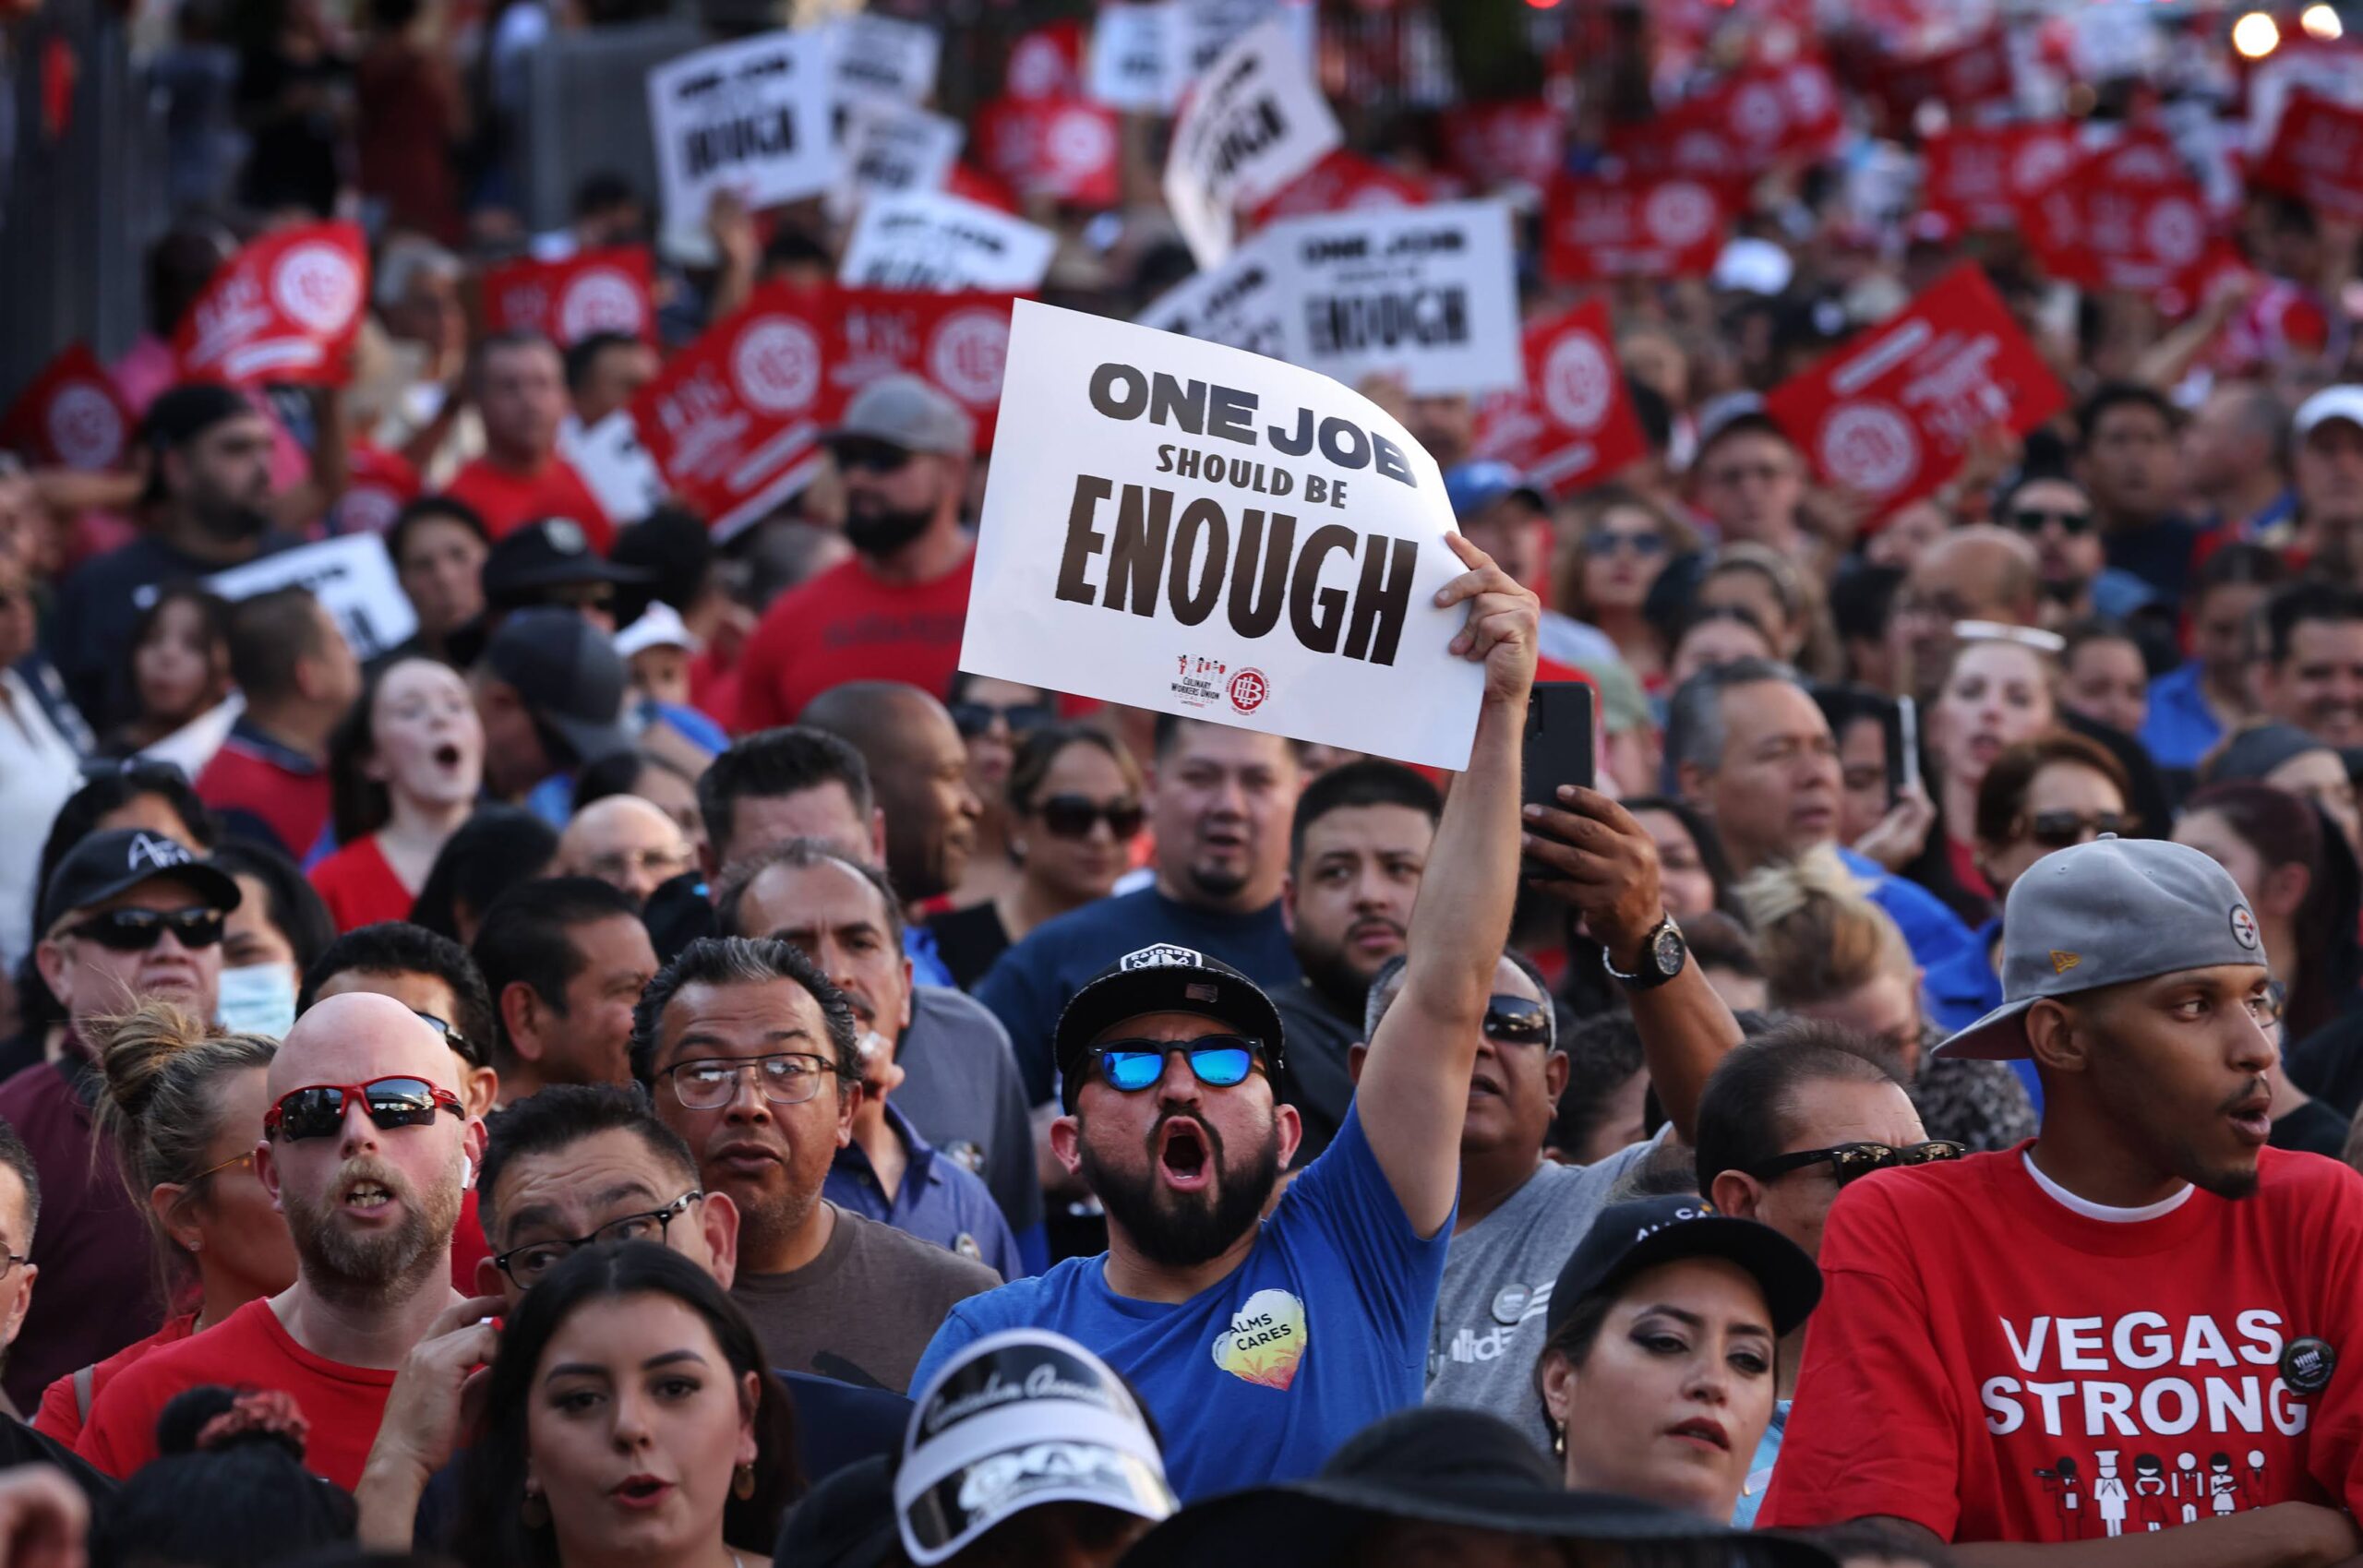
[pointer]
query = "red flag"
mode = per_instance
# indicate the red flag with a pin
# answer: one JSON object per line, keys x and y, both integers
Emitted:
{"x": 1753, "y": 120}
{"x": 2317, "y": 156}
{"x": 2126, "y": 217}
{"x": 1494, "y": 144}
{"x": 598, "y": 291}
{"x": 1341, "y": 182}
{"x": 1574, "y": 426}
{"x": 1891, "y": 415}
{"x": 956, "y": 341}
{"x": 734, "y": 421}
{"x": 71, "y": 416}
{"x": 1063, "y": 148}
{"x": 284, "y": 311}
{"x": 1630, "y": 225}
{"x": 1967, "y": 77}
{"x": 1982, "y": 176}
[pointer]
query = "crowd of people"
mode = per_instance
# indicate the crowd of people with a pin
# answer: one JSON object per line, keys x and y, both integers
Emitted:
{"x": 665, "y": 1066}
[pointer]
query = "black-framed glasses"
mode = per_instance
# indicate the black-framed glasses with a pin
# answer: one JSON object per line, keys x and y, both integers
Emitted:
{"x": 1220, "y": 1062}
{"x": 1517, "y": 1021}
{"x": 316, "y": 1111}
{"x": 525, "y": 1264}
{"x": 2034, "y": 520}
{"x": 785, "y": 1078}
{"x": 452, "y": 1037}
{"x": 1601, "y": 541}
{"x": 972, "y": 719}
{"x": 860, "y": 454}
{"x": 136, "y": 931}
{"x": 1849, "y": 1162}
{"x": 1071, "y": 816}
{"x": 2062, "y": 830}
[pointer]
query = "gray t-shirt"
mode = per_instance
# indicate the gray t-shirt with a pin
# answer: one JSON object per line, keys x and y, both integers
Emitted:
{"x": 863, "y": 1311}
{"x": 1497, "y": 1278}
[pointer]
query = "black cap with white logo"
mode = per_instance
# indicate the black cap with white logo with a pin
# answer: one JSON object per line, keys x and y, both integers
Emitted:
{"x": 553, "y": 552}
{"x": 1644, "y": 1232}
{"x": 1163, "y": 978}
{"x": 118, "y": 860}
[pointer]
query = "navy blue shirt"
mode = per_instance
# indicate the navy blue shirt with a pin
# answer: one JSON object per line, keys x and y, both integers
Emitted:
{"x": 1029, "y": 986}
{"x": 939, "y": 1201}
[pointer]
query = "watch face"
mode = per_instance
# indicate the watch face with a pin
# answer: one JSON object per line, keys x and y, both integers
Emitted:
{"x": 1667, "y": 951}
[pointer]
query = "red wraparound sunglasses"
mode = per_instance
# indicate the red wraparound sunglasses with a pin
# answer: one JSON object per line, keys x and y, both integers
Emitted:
{"x": 318, "y": 1109}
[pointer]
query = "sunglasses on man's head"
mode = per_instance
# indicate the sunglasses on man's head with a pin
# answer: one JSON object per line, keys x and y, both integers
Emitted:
{"x": 1220, "y": 1062}
{"x": 1517, "y": 1021}
{"x": 1849, "y": 1162}
{"x": 1071, "y": 816}
{"x": 869, "y": 457}
{"x": 2063, "y": 830}
{"x": 975, "y": 718}
{"x": 317, "y": 1110}
{"x": 2034, "y": 520}
{"x": 136, "y": 931}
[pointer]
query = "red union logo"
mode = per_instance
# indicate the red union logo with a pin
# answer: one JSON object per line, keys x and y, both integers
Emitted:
{"x": 599, "y": 301}
{"x": 316, "y": 285}
{"x": 1870, "y": 447}
{"x": 776, "y": 364}
{"x": 84, "y": 428}
{"x": 966, "y": 354}
{"x": 1247, "y": 691}
{"x": 1576, "y": 382}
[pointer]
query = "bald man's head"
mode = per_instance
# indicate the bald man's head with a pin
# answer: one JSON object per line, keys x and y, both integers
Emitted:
{"x": 918, "y": 766}
{"x": 625, "y": 841}
{"x": 1983, "y": 573}
{"x": 356, "y": 1038}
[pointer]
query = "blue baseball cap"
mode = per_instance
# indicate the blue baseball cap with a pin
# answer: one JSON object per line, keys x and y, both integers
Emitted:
{"x": 1473, "y": 486}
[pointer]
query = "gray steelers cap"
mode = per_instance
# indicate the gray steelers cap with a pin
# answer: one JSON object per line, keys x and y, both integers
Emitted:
{"x": 2103, "y": 913}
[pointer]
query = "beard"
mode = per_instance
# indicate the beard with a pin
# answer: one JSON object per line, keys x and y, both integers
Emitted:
{"x": 1217, "y": 882}
{"x": 1329, "y": 972}
{"x": 367, "y": 1269}
{"x": 230, "y": 521}
{"x": 1179, "y": 1231}
{"x": 881, "y": 531}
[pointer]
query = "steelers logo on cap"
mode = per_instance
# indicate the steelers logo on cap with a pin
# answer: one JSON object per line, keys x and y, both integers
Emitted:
{"x": 2244, "y": 926}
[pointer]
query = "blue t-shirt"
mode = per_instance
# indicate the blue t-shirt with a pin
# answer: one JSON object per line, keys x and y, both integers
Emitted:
{"x": 2179, "y": 729}
{"x": 1933, "y": 932}
{"x": 1030, "y": 985}
{"x": 1258, "y": 1379}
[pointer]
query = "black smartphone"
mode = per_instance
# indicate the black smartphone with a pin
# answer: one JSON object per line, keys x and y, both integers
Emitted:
{"x": 1903, "y": 749}
{"x": 1559, "y": 748}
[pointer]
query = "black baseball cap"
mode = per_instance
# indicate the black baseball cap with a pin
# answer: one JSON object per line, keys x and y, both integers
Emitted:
{"x": 846, "y": 1521}
{"x": 118, "y": 860}
{"x": 1642, "y": 1233}
{"x": 1163, "y": 978}
{"x": 553, "y": 552}
{"x": 568, "y": 675}
{"x": 180, "y": 414}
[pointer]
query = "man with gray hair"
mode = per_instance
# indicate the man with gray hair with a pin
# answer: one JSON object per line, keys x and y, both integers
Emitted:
{"x": 1748, "y": 746}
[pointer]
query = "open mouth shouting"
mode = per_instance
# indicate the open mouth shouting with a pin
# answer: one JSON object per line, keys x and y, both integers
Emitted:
{"x": 1185, "y": 1154}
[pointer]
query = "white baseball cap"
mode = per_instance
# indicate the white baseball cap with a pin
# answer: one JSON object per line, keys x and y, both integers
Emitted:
{"x": 2332, "y": 402}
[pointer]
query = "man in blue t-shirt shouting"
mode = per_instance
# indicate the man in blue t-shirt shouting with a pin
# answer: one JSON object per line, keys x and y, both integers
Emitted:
{"x": 1261, "y": 1346}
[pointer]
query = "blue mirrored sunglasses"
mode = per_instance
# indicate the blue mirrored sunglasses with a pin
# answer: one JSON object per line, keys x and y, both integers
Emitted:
{"x": 1220, "y": 1062}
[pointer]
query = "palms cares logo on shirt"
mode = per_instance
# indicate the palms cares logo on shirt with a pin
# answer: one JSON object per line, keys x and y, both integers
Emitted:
{"x": 1266, "y": 1341}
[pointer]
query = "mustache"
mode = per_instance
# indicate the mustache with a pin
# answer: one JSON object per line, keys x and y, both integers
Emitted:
{"x": 2259, "y": 1085}
{"x": 369, "y": 1167}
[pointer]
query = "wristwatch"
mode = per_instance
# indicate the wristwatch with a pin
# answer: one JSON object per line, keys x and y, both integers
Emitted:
{"x": 1663, "y": 953}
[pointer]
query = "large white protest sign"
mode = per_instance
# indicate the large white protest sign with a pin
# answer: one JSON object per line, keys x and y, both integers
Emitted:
{"x": 1245, "y": 304}
{"x": 1426, "y": 293}
{"x": 1181, "y": 526}
{"x": 931, "y": 241}
{"x": 750, "y": 117}
{"x": 881, "y": 57}
{"x": 1251, "y": 123}
{"x": 895, "y": 150}
{"x": 352, "y": 576}
{"x": 1202, "y": 30}
{"x": 1130, "y": 67}
{"x": 614, "y": 467}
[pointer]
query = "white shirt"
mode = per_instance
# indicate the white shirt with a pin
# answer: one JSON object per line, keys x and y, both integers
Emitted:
{"x": 39, "y": 770}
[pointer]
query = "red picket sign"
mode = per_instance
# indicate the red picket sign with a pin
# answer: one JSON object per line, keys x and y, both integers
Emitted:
{"x": 734, "y": 421}
{"x": 378, "y": 485}
{"x": 71, "y": 416}
{"x": 1891, "y": 415}
{"x": 2317, "y": 156}
{"x": 1603, "y": 226}
{"x": 2126, "y": 217}
{"x": 1341, "y": 182}
{"x": 1753, "y": 120}
{"x": 956, "y": 341}
{"x": 1064, "y": 148}
{"x": 1574, "y": 424}
{"x": 598, "y": 290}
{"x": 1966, "y": 76}
{"x": 1491, "y": 144}
{"x": 283, "y": 312}
{"x": 1980, "y": 176}
{"x": 1046, "y": 62}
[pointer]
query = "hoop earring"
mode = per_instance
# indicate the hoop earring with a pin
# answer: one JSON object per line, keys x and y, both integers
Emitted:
{"x": 535, "y": 1511}
{"x": 742, "y": 1482}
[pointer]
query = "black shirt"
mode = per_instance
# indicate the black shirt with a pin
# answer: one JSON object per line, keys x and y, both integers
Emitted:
{"x": 2313, "y": 1128}
{"x": 968, "y": 941}
{"x": 1314, "y": 1035}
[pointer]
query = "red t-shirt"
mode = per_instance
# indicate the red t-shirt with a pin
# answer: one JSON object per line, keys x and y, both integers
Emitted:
{"x": 250, "y": 1348}
{"x": 845, "y": 625}
{"x": 256, "y": 777}
{"x": 359, "y": 888}
{"x": 508, "y": 500}
{"x": 62, "y": 1403}
{"x": 1997, "y": 1367}
{"x": 468, "y": 1245}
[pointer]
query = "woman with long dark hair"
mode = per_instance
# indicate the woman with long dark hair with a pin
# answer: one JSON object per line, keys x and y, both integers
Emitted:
{"x": 405, "y": 769}
{"x": 632, "y": 1419}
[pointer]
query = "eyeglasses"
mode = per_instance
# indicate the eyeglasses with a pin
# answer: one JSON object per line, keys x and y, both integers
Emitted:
{"x": 1071, "y": 816}
{"x": 1517, "y": 1021}
{"x": 1849, "y": 1162}
{"x": 189, "y": 1188}
{"x": 136, "y": 931}
{"x": 1220, "y": 1062}
{"x": 317, "y": 1110}
{"x": 2060, "y": 830}
{"x": 615, "y": 866}
{"x": 2034, "y": 520}
{"x": 785, "y": 1078}
{"x": 528, "y": 1262}
{"x": 452, "y": 1037}
{"x": 585, "y": 596}
{"x": 1604, "y": 543}
{"x": 870, "y": 457}
{"x": 972, "y": 719}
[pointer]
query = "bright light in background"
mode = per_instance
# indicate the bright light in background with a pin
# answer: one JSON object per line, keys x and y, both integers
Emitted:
{"x": 2320, "y": 22}
{"x": 2255, "y": 35}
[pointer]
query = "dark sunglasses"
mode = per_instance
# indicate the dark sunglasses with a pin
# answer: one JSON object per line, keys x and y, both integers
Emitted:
{"x": 870, "y": 457}
{"x": 975, "y": 718}
{"x": 2062, "y": 830}
{"x": 1071, "y": 816}
{"x": 317, "y": 1110}
{"x": 2033, "y": 520}
{"x": 453, "y": 1038}
{"x": 1516, "y": 1021}
{"x": 1849, "y": 1162}
{"x": 136, "y": 931}
{"x": 1222, "y": 1061}
{"x": 584, "y": 596}
{"x": 1604, "y": 543}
